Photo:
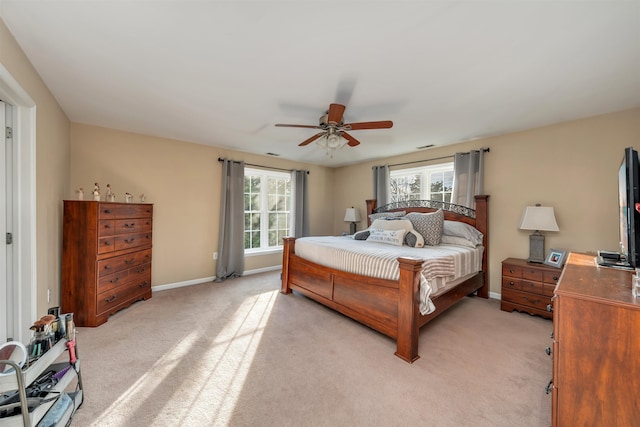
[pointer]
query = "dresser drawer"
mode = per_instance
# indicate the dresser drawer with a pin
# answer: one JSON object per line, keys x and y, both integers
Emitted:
{"x": 132, "y": 225}
{"x": 128, "y": 241}
{"x": 530, "y": 300}
{"x": 122, "y": 262}
{"x": 126, "y": 210}
{"x": 121, "y": 278}
{"x": 122, "y": 295}
{"x": 106, "y": 227}
{"x": 106, "y": 245}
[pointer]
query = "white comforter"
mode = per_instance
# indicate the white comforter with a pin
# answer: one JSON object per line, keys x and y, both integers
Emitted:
{"x": 442, "y": 264}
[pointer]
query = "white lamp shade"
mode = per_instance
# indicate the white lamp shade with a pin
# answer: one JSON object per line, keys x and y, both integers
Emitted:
{"x": 540, "y": 218}
{"x": 352, "y": 215}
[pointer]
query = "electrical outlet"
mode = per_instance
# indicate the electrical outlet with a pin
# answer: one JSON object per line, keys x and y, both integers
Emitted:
{"x": 48, "y": 295}
{"x": 215, "y": 255}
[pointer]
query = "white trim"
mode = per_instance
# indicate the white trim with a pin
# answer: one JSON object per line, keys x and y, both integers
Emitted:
{"x": 159, "y": 288}
{"x": 258, "y": 252}
{"x": 24, "y": 202}
{"x": 495, "y": 295}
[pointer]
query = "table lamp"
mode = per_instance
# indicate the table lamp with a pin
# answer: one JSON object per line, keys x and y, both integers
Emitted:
{"x": 538, "y": 218}
{"x": 352, "y": 215}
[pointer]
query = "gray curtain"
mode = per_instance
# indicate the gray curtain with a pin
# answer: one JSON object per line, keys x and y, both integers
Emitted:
{"x": 301, "y": 203}
{"x": 381, "y": 184}
{"x": 468, "y": 181}
{"x": 231, "y": 236}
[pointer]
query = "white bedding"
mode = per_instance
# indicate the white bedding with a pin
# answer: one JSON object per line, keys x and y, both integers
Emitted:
{"x": 442, "y": 264}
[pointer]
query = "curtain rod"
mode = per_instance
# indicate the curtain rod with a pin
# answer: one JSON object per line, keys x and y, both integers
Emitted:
{"x": 486, "y": 150}
{"x": 220, "y": 159}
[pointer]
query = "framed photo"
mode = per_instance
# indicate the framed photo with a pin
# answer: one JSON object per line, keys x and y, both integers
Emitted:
{"x": 555, "y": 258}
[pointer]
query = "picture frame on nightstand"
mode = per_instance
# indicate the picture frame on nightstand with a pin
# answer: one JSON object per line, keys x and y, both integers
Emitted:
{"x": 556, "y": 258}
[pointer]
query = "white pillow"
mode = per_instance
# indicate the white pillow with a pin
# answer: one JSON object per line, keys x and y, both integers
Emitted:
{"x": 461, "y": 229}
{"x": 392, "y": 224}
{"x": 455, "y": 240}
{"x": 389, "y": 237}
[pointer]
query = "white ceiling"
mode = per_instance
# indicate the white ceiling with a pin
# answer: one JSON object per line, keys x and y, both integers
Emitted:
{"x": 223, "y": 73}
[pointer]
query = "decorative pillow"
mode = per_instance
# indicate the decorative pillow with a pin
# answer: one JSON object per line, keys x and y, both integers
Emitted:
{"x": 455, "y": 240}
{"x": 461, "y": 229}
{"x": 429, "y": 225}
{"x": 390, "y": 237}
{"x": 396, "y": 224}
{"x": 414, "y": 239}
{"x": 381, "y": 215}
{"x": 361, "y": 235}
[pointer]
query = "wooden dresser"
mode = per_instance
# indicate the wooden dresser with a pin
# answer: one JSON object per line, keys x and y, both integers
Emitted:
{"x": 106, "y": 258}
{"x": 528, "y": 287}
{"x": 596, "y": 347}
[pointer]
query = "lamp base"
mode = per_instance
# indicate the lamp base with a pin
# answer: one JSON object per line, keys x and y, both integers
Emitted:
{"x": 536, "y": 248}
{"x": 352, "y": 228}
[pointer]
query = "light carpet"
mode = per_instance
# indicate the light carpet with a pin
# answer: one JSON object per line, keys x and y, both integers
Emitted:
{"x": 239, "y": 353}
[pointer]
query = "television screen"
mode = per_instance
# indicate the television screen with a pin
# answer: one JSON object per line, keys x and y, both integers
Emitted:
{"x": 628, "y": 196}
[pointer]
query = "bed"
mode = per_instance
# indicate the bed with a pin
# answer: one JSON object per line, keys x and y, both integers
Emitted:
{"x": 393, "y": 307}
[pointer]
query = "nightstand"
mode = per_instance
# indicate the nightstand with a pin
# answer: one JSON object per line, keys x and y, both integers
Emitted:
{"x": 528, "y": 287}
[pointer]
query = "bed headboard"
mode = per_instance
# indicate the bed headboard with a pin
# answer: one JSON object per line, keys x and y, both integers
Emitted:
{"x": 478, "y": 217}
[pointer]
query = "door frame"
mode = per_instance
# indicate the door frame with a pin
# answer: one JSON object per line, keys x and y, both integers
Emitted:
{"x": 24, "y": 203}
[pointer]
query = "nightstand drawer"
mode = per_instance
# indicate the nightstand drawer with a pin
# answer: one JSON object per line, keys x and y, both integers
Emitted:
{"x": 511, "y": 283}
{"x": 534, "y": 301}
{"x": 533, "y": 287}
{"x": 551, "y": 277}
{"x": 511, "y": 270}
{"x": 532, "y": 274}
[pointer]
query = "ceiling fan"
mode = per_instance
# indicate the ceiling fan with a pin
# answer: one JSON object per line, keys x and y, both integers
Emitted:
{"x": 335, "y": 130}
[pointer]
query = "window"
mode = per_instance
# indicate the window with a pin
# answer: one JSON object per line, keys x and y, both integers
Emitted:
{"x": 429, "y": 183}
{"x": 267, "y": 209}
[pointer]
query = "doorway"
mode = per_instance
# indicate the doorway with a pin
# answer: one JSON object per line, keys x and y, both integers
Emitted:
{"x": 20, "y": 295}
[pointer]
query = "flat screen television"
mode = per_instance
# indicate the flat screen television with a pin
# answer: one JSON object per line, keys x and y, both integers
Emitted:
{"x": 628, "y": 196}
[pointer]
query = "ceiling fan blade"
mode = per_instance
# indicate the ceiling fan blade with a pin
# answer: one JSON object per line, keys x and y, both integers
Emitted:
{"x": 385, "y": 124}
{"x": 335, "y": 113}
{"x": 352, "y": 141}
{"x": 310, "y": 140}
{"x": 298, "y": 126}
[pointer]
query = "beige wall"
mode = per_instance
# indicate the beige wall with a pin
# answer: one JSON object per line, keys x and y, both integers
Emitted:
{"x": 571, "y": 166}
{"x": 52, "y": 168}
{"x": 182, "y": 180}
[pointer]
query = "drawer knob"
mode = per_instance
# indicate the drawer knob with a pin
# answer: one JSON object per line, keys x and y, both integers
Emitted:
{"x": 140, "y": 270}
{"x": 130, "y": 225}
{"x": 144, "y": 284}
{"x": 549, "y": 387}
{"x": 535, "y": 301}
{"x": 107, "y": 267}
{"x": 548, "y": 351}
{"x": 114, "y": 280}
{"x": 129, "y": 240}
{"x": 107, "y": 211}
{"x": 550, "y": 308}
{"x": 107, "y": 243}
{"x": 555, "y": 278}
{"x": 512, "y": 271}
{"x": 112, "y": 298}
{"x": 129, "y": 261}
{"x": 107, "y": 226}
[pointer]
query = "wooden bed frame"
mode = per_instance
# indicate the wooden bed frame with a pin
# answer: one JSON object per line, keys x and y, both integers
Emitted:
{"x": 390, "y": 307}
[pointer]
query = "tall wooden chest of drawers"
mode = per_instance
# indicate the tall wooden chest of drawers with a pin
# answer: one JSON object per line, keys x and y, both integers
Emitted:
{"x": 528, "y": 287}
{"x": 106, "y": 258}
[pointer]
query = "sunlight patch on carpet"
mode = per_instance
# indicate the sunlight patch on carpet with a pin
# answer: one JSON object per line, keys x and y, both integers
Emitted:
{"x": 223, "y": 363}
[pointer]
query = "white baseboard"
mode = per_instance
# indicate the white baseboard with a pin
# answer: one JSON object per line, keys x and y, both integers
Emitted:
{"x": 494, "y": 295}
{"x": 175, "y": 285}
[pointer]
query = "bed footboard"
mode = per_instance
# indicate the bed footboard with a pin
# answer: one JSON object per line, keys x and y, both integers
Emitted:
{"x": 390, "y": 307}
